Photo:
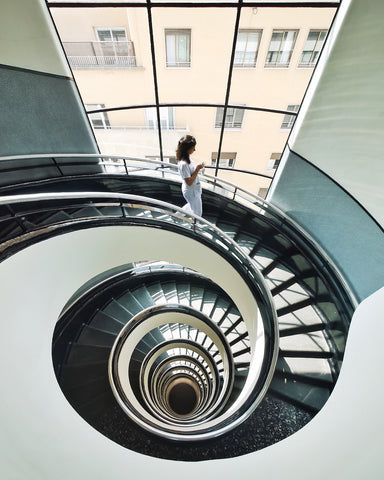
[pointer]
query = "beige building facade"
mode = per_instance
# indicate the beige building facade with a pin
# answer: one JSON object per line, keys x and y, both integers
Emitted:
{"x": 109, "y": 50}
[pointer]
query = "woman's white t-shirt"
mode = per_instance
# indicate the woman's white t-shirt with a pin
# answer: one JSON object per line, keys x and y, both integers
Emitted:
{"x": 186, "y": 170}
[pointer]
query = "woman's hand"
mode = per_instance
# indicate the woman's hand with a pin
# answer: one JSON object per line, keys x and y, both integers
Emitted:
{"x": 199, "y": 166}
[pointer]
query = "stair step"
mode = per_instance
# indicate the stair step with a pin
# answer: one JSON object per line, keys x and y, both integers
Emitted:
{"x": 107, "y": 323}
{"x": 305, "y": 354}
{"x": 88, "y": 390}
{"x": 87, "y": 354}
{"x": 313, "y": 341}
{"x": 294, "y": 307}
{"x": 170, "y": 292}
{"x": 183, "y": 293}
{"x": 309, "y": 397}
{"x": 97, "y": 406}
{"x": 290, "y": 296}
{"x": 55, "y": 218}
{"x": 111, "y": 210}
{"x": 229, "y": 229}
{"x": 293, "y": 280}
{"x": 157, "y": 294}
{"x": 197, "y": 294}
{"x": 86, "y": 212}
{"x": 306, "y": 316}
{"x": 220, "y": 309}
{"x": 120, "y": 309}
{"x": 310, "y": 380}
{"x": 208, "y": 302}
{"x": 317, "y": 368}
{"x": 94, "y": 336}
{"x": 74, "y": 374}
{"x": 143, "y": 297}
{"x": 138, "y": 212}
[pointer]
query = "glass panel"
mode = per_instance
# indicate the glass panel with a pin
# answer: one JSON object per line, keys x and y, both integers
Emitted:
{"x": 259, "y": 137}
{"x": 171, "y": 48}
{"x": 192, "y": 57}
{"x": 130, "y": 133}
{"x": 196, "y": 121}
{"x": 109, "y": 51}
{"x": 312, "y": 47}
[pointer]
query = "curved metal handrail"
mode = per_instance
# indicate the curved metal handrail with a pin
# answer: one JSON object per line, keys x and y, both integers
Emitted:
{"x": 236, "y": 191}
{"x": 169, "y": 166}
{"x": 243, "y": 264}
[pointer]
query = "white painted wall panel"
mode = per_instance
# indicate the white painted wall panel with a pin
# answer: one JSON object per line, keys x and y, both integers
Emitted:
{"x": 28, "y": 38}
{"x": 340, "y": 128}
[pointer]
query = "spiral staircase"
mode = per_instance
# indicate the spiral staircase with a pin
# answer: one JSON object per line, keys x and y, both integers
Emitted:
{"x": 157, "y": 355}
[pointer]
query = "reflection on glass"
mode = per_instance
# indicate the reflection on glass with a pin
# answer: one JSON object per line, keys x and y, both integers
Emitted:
{"x": 193, "y": 49}
{"x": 247, "y": 46}
{"x": 281, "y": 48}
{"x": 312, "y": 47}
{"x": 233, "y": 118}
{"x": 178, "y": 46}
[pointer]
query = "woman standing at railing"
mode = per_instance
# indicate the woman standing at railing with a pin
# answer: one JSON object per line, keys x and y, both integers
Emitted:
{"x": 189, "y": 172}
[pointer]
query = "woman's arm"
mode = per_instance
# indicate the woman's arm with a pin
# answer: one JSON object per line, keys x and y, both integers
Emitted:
{"x": 192, "y": 178}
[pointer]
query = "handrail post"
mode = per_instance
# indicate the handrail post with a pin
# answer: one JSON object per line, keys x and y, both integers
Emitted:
{"x": 126, "y": 166}
{"x": 58, "y": 166}
{"x": 19, "y": 220}
{"x": 123, "y": 210}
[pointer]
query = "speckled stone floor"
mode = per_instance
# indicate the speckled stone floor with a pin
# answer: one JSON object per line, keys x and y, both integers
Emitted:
{"x": 272, "y": 421}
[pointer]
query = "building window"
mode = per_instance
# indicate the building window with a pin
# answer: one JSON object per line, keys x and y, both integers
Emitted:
{"x": 234, "y": 117}
{"x": 281, "y": 48}
{"x": 178, "y": 48}
{"x": 247, "y": 47}
{"x": 98, "y": 120}
{"x": 289, "y": 120}
{"x": 312, "y": 48}
{"x": 262, "y": 192}
{"x": 167, "y": 118}
{"x": 227, "y": 159}
{"x": 113, "y": 43}
{"x": 273, "y": 162}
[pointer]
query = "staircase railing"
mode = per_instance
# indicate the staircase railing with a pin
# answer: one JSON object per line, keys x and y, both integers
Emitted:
{"x": 124, "y": 165}
{"x": 29, "y": 206}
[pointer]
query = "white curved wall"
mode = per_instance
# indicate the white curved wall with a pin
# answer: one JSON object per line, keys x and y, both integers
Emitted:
{"x": 28, "y": 38}
{"x": 43, "y": 438}
{"x": 341, "y": 123}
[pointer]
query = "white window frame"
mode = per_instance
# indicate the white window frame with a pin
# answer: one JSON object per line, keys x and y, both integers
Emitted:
{"x": 233, "y": 125}
{"x": 167, "y": 118}
{"x": 227, "y": 159}
{"x": 312, "y": 62}
{"x": 280, "y": 64}
{"x": 248, "y": 64}
{"x": 289, "y": 120}
{"x": 273, "y": 162}
{"x": 103, "y": 116}
{"x": 112, "y": 42}
{"x": 177, "y": 63}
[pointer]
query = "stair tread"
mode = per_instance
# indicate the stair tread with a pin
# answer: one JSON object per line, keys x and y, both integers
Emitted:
{"x": 143, "y": 297}
{"x": 119, "y": 309}
{"x": 157, "y": 294}
{"x": 108, "y": 323}
{"x": 310, "y": 396}
{"x": 313, "y": 341}
{"x": 90, "y": 335}
{"x": 86, "y": 212}
{"x": 88, "y": 353}
{"x": 183, "y": 293}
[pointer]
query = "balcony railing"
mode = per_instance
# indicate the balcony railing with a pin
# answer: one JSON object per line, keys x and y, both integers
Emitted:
{"x": 101, "y": 54}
